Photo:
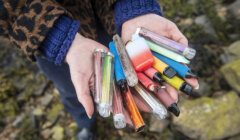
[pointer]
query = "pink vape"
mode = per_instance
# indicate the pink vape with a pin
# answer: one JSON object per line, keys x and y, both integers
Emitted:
{"x": 139, "y": 53}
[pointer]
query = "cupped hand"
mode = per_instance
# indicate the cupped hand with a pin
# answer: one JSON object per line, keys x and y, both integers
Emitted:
{"x": 80, "y": 61}
{"x": 164, "y": 27}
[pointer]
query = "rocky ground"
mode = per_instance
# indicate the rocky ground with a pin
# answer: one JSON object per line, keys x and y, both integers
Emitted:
{"x": 30, "y": 106}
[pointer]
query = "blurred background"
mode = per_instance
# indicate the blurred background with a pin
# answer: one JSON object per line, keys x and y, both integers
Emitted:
{"x": 30, "y": 107}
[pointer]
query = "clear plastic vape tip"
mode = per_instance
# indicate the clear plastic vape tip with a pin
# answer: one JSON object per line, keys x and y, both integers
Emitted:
{"x": 189, "y": 53}
{"x": 104, "y": 110}
{"x": 119, "y": 121}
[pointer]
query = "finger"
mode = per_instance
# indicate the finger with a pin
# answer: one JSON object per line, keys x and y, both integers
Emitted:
{"x": 83, "y": 94}
{"x": 91, "y": 83}
{"x": 164, "y": 97}
{"x": 193, "y": 82}
{"x": 175, "y": 34}
{"x": 172, "y": 92}
{"x": 127, "y": 117}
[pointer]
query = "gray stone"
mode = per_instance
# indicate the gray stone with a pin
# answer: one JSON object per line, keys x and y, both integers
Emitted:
{"x": 231, "y": 73}
{"x": 46, "y": 99}
{"x": 206, "y": 24}
{"x": 237, "y": 137}
{"x": 234, "y": 9}
{"x": 222, "y": 12}
{"x": 38, "y": 111}
{"x": 46, "y": 134}
{"x": 193, "y": 2}
{"x": 58, "y": 133}
{"x": 231, "y": 53}
{"x": 186, "y": 22}
{"x": 18, "y": 121}
{"x": 158, "y": 125}
{"x": 209, "y": 118}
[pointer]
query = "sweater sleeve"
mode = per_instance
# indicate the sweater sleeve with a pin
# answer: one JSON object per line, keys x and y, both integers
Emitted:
{"x": 27, "y": 22}
{"x": 128, "y": 9}
{"x": 59, "y": 39}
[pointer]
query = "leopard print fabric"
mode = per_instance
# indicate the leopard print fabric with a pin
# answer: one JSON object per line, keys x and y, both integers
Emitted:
{"x": 106, "y": 15}
{"x": 27, "y": 22}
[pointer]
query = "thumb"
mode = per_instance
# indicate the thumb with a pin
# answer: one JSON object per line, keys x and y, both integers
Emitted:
{"x": 84, "y": 97}
{"x": 175, "y": 34}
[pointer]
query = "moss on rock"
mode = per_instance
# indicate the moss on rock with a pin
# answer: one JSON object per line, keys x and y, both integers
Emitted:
{"x": 207, "y": 118}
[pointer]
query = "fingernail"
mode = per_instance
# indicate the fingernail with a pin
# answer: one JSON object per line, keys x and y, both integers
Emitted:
{"x": 197, "y": 87}
{"x": 89, "y": 116}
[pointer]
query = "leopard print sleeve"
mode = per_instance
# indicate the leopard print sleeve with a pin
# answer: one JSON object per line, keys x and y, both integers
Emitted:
{"x": 105, "y": 12}
{"x": 27, "y": 22}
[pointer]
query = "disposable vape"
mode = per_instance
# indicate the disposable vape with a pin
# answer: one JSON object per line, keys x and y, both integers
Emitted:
{"x": 170, "y": 54}
{"x": 139, "y": 53}
{"x": 118, "y": 116}
{"x": 189, "y": 53}
{"x": 157, "y": 108}
{"x": 105, "y": 104}
{"x": 182, "y": 70}
{"x": 133, "y": 111}
{"x": 128, "y": 69}
{"x": 147, "y": 83}
{"x": 119, "y": 74}
{"x": 154, "y": 75}
{"x": 163, "y": 68}
{"x": 179, "y": 84}
{"x": 98, "y": 57}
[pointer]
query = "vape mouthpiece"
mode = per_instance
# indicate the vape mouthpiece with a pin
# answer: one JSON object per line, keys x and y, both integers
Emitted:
{"x": 189, "y": 53}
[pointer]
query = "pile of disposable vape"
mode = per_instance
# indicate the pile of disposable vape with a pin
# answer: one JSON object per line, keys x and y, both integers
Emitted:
{"x": 141, "y": 67}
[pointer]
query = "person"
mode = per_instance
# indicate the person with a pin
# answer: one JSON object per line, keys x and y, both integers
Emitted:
{"x": 61, "y": 36}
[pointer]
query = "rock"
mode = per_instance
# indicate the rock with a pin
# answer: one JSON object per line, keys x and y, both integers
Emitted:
{"x": 72, "y": 129}
{"x": 7, "y": 89}
{"x": 46, "y": 134}
{"x": 38, "y": 112}
{"x": 221, "y": 11}
{"x": 209, "y": 118}
{"x": 167, "y": 134}
{"x": 158, "y": 125}
{"x": 8, "y": 109}
{"x": 231, "y": 73}
{"x": 235, "y": 137}
{"x": 186, "y": 22}
{"x": 206, "y": 24}
{"x": 193, "y": 2}
{"x": 18, "y": 121}
{"x": 204, "y": 88}
{"x": 46, "y": 99}
{"x": 234, "y": 9}
{"x": 234, "y": 36}
{"x": 54, "y": 112}
{"x": 58, "y": 133}
{"x": 41, "y": 85}
{"x": 232, "y": 52}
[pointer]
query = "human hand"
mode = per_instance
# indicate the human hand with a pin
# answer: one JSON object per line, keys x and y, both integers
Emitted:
{"x": 163, "y": 27}
{"x": 80, "y": 61}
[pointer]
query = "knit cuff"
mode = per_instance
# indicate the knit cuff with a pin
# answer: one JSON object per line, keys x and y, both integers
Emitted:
{"x": 128, "y": 9}
{"x": 59, "y": 39}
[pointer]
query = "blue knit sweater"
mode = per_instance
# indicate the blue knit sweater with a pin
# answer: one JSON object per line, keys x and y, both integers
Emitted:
{"x": 60, "y": 37}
